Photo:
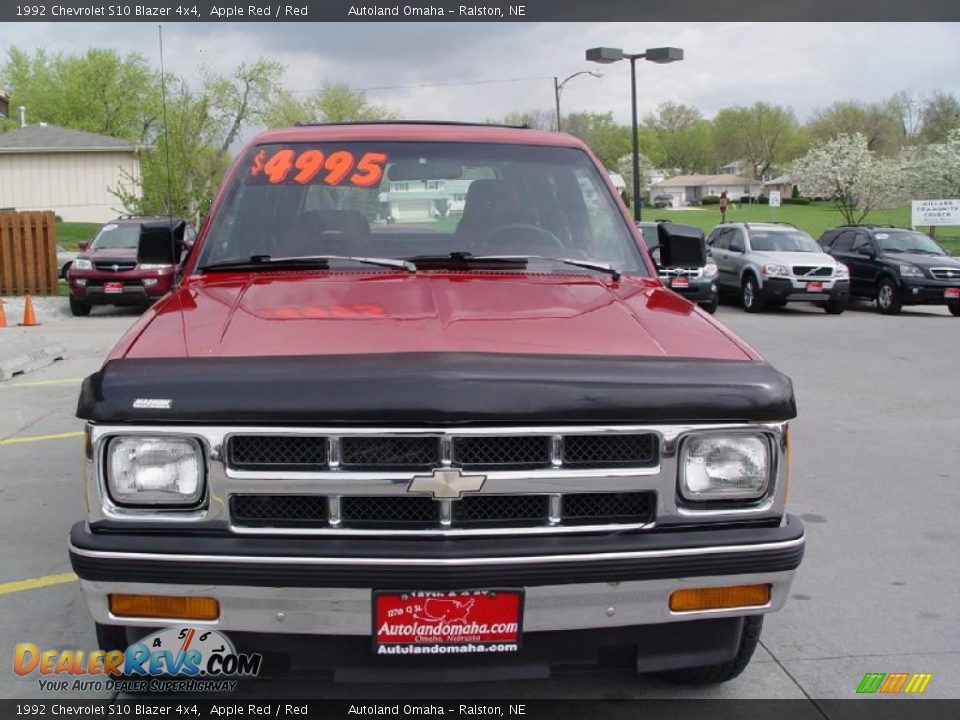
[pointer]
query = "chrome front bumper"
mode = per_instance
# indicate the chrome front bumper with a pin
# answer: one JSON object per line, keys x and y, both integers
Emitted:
{"x": 348, "y": 611}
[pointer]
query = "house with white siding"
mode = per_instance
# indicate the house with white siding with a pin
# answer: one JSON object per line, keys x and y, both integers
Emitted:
{"x": 688, "y": 189}
{"x": 46, "y": 167}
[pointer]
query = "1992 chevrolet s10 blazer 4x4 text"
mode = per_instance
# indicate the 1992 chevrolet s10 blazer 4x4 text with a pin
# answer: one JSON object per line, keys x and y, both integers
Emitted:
{"x": 421, "y": 406}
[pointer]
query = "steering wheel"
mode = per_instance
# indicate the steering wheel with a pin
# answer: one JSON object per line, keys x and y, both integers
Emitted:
{"x": 536, "y": 233}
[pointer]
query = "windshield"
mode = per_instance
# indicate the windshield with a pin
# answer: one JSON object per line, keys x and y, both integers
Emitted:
{"x": 907, "y": 241}
{"x": 406, "y": 200}
{"x": 783, "y": 241}
{"x": 117, "y": 237}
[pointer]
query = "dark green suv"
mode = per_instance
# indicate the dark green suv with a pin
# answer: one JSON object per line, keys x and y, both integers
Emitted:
{"x": 895, "y": 266}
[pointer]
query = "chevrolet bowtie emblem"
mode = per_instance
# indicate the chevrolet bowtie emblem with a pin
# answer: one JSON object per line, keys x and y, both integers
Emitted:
{"x": 446, "y": 484}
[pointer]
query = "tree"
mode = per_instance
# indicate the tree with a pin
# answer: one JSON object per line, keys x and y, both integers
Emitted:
{"x": 98, "y": 91}
{"x": 935, "y": 173}
{"x": 683, "y": 138}
{"x": 845, "y": 170}
{"x": 876, "y": 123}
{"x": 243, "y": 97}
{"x": 334, "y": 103}
{"x": 763, "y": 135}
{"x": 906, "y": 109}
{"x": 609, "y": 140}
{"x": 196, "y": 165}
{"x": 941, "y": 114}
{"x": 538, "y": 119}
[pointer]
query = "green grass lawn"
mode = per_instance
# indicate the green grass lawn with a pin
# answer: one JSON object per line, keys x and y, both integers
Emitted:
{"x": 813, "y": 218}
{"x": 71, "y": 233}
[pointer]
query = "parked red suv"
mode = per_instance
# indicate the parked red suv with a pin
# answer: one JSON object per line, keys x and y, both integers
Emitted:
{"x": 422, "y": 405}
{"x": 107, "y": 272}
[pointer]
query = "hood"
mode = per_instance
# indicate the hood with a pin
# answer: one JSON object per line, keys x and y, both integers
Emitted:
{"x": 104, "y": 254}
{"x": 925, "y": 261}
{"x": 347, "y": 313}
{"x": 795, "y": 258}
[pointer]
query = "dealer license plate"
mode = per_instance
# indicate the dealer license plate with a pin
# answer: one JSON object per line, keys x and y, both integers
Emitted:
{"x": 113, "y": 288}
{"x": 952, "y": 293}
{"x": 442, "y": 623}
{"x": 680, "y": 283}
{"x": 814, "y": 287}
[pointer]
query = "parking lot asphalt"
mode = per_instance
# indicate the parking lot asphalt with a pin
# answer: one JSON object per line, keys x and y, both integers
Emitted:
{"x": 876, "y": 479}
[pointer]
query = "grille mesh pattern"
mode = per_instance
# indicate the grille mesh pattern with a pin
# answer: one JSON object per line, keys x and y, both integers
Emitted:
{"x": 518, "y": 451}
{"x": 389, "y": 452}
{"x": 280, "y": 509}
{"x": 388, "y": 510}
{"x": 278, "y": 452}
{"x": 609, "y": 450}
{"x": 608, "y": 507}
{"x": 477, "y": 509}
{"x": 945, "y": 273}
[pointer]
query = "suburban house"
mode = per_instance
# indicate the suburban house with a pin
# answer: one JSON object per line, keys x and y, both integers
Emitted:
{"x": 784, "y": 184}
{"x": 45, "y": 167}
{"x": 419, "y": 200}
{"x": 689, "y": 189}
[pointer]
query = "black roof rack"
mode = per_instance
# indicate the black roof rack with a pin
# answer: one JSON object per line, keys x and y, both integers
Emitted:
{"x": 414, "y": 122}
{"x": 871, "y": 225}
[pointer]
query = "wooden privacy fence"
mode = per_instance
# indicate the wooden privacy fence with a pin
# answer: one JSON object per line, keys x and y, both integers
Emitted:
{"x": 28, "y": 253}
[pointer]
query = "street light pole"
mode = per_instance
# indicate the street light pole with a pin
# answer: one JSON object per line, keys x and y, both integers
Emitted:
{"x": 558, "y": 86}
{"x": 661, "y": 56}
{"x": 637, "y": 213}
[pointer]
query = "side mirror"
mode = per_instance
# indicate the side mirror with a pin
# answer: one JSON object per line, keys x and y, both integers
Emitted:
{"x": 84, "y": 246}
{"x": 866, "y": 250}
{"x": 681, "y": 245}
{"x": 160, "y": 243}
{"x": 736, "y": 247}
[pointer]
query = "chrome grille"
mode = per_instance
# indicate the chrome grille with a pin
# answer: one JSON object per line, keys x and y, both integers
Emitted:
{"x": 282, "y": 510}
{"x": 399, "y": 453}
{"x": 945, "y": 273}
{"x": 114, "y": 266}
{"x": 493, "y": 452}
{"x": 481, "y": 509}
{"x": 609, "y": 450}
{"x": 812, "y": 270}
{"x": 383, "y": 453}
{"x": 406, "y": 512}
{"x": 387, "y": 510}
{"x": 277, "y": 452}
{"x": 607, "y": 507}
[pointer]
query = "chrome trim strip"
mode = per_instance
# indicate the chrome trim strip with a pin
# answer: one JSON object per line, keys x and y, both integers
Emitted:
{"x": 440, "y": 562}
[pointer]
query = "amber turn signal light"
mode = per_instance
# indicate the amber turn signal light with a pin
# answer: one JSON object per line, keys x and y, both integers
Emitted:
{"x": 164, "y": 606}
{"x": 719, "y": 598}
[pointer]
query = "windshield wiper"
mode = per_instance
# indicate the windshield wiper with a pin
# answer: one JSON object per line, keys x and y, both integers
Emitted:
{"x": 258, "y": 262}
{"x": 461, "y": 258}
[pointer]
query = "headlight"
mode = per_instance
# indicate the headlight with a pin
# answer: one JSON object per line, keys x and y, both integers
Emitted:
{"x": 710, "y": 270}
{"x": 151, "y": 266}
{"x": 155, "y": 471}
{"x": 724, "y": 466}
{"x": 81, "y": 264}
{"x": 910, "y": 270}
{"x": 842, "y": 272}
{"x": 774, "y": 269}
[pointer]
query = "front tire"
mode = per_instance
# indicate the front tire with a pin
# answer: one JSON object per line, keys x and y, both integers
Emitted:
{"x": 889, "y": 300}
{"x": 721, "y": 672}
{"x": 750, "y": 294}
{"x": 711, "y": 306}
{"x": 835, "y": 307}
{"x": 78, "y": 308}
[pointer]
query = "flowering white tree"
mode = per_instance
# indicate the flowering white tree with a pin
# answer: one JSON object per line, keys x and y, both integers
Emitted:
{"x": 935, "y": 174}
{"x": 846, "y": 171}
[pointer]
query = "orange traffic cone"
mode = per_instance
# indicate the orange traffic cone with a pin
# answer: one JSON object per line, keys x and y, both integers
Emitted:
{"x": 29, "y": 319}
{"x": 3, "y": 316}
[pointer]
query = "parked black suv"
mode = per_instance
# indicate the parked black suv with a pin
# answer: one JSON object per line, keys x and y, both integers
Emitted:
{"x": 895, "y": 266}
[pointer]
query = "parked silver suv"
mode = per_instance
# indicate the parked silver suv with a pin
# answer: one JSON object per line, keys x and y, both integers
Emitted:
{"x": 771, "y": 264}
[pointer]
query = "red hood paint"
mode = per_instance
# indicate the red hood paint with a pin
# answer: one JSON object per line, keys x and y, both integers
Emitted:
{"x": 321, "y": 313}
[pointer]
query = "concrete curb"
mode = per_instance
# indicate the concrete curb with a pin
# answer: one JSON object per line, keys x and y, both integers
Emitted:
{"x": 21, "y": 352}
